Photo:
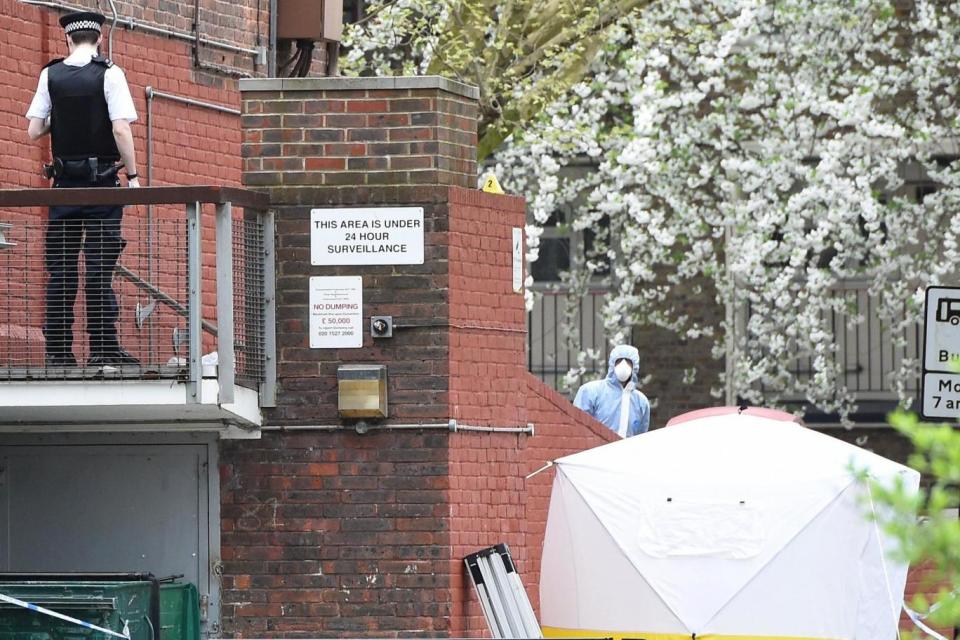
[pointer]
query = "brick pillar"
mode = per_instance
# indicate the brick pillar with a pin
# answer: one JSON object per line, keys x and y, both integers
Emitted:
{"x": 325, "y": 532}
{"x": 358, "y": 140}
{"x": 319, "y": 142}
{"x": 331, "y": 533}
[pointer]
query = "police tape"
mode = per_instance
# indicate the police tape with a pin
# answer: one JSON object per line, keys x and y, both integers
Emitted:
{"x": 32, "y": 607}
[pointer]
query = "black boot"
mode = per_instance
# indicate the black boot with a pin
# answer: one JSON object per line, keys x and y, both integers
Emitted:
{"x": 58, "y": 360}
{"x": 115, "y": 357}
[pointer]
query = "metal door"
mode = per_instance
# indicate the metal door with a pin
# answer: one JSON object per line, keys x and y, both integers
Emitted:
{"x": 108, "y": 508}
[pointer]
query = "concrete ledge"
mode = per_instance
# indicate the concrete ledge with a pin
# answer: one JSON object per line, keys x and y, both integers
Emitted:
{"x": 91, "y": 405}
{"x": 360, "y": 84}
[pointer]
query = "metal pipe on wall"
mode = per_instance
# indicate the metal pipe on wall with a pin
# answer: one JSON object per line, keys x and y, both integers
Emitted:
{"x": 151, "y": 94}
{"x": 113, "y": 25}
{"x": 451, "y": 425}
{"x": 196, "y": 33}
{"x": 131, "y": 24}
{"x": 272, "y": 41}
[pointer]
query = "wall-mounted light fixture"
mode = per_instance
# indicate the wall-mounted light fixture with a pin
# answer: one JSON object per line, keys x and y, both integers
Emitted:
{"x": 362, "y": 391}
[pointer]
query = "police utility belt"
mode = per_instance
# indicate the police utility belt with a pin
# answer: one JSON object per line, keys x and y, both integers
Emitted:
{"x": 90, "y": 172}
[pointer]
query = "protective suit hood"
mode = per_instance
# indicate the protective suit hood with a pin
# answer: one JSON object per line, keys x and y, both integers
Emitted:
{"x": 604, "y": 399}
{"x": 623, "y": 351}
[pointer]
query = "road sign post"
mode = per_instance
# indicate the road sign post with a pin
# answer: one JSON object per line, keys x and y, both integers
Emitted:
{"x": 940, "y": 397}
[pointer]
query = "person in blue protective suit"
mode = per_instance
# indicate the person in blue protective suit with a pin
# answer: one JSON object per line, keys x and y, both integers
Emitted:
{"x": 615, "y": 400}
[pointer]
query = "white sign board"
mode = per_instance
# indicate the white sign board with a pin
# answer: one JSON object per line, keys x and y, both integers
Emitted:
{"x": 941, "y": 352}
{"x": 383, "y": 235}
{"x": 336, "y": 312}
{"x": 941, "y": 396}
{"x": 517, "y": 259}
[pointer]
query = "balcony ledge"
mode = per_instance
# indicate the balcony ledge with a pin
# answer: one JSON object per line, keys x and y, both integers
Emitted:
{"x": 127, "y": 405}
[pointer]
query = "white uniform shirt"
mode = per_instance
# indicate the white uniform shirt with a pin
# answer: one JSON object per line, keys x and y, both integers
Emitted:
{"x": 115, "y": 89}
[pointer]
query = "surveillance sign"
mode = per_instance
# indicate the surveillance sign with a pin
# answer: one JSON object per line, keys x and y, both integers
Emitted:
{"x": 336, "y": 312}
{"x": 382, "y": 235}
{"x": 941, "y": 354}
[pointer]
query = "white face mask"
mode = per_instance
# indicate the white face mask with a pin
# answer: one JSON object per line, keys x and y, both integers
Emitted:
{"x": 623, "y": 370}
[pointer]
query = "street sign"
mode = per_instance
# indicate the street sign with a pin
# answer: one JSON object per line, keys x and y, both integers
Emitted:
{"x": 941, "y": 354}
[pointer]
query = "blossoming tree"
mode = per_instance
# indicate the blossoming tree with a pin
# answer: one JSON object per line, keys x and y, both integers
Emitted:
{"x": 754, "y": 152}
{"x": 521, "y": 54}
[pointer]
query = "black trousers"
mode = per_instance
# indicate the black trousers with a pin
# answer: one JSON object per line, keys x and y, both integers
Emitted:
{"x": 96, "y": 231}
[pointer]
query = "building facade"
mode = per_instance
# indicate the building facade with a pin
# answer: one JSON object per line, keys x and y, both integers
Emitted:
{"x": 224, "y": 459}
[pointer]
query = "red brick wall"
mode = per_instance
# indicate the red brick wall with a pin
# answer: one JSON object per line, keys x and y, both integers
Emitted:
{"x": 487, "y": 318}
{"x": 191, "y": 145}
{"x": 490, "y": 501}
{"x": 336, "y": 535}
{"x": 328, "y": 136}
{"x": 420, "y": 501}
{"x": 235, "y": 23}
{"x": 19, "y": 167}
{"x": 668, "y": 357}
{"x": 922, "y": 581}
{"x": 314, "y": 143}
{"x": 562, "y": 429}
{"x": 416, "y": 358}
{"x": 326, "y": 491}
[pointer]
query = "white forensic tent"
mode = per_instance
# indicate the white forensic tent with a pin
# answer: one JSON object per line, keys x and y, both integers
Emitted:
{"x": 725, "y": 525}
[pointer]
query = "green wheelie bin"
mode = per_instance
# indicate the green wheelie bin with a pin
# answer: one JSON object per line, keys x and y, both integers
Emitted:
{"x": 150, "y": 609}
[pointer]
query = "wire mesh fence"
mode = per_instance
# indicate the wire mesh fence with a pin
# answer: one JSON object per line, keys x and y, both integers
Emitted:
{"x": 248, "y": 296}
{"x": 93, "y": 295}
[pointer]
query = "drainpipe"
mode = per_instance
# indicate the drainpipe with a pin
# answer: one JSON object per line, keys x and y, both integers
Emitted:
{"x": 131, "y": 24}
{"x": 363, "y": 427}
{"x": 151, "y": 93}
{"x": 272, "y": 41}
{"x": 113, "y": 25}
{"x": 196, "y": 33}
{"x": 149, "y": 176}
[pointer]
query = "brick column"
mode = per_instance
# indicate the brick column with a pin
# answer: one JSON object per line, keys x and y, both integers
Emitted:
{"x": 329, "y": 533}
{"x": 333, "y": 533}
{"x": 318, "y": 142}
{"x": 358, "y": 140}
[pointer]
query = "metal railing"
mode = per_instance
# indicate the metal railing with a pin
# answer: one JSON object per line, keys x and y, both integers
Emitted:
{"x": 869, "y": 351}
{"x": 553, "y": 345}
{"x": 193, "y": 288}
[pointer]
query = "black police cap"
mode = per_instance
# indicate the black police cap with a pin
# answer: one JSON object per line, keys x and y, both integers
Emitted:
{"x": 82, "y": 21}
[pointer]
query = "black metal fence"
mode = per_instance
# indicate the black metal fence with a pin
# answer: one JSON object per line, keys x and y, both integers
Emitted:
{"x": 553, "y": 345}
{"x": 869, "y": 351}
{"x": 873, "y": 355}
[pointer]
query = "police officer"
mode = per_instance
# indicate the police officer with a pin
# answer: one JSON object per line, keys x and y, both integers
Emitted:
{"x": 84, "y": 103}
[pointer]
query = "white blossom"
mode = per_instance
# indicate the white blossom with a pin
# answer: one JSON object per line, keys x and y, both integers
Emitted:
{"x": 755, "y": 149}
{"x": 761, "y": 146}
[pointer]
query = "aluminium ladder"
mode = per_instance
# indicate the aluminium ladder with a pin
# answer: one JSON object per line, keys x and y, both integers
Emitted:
{"x": 502, "y": 596}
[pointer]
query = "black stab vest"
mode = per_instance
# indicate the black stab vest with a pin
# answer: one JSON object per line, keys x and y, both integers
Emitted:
{"x": 80, "y": 124}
